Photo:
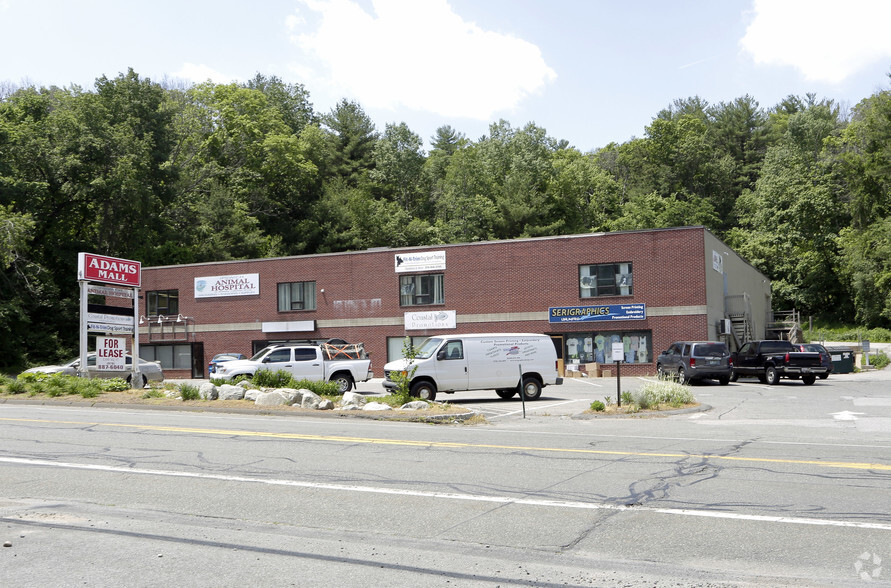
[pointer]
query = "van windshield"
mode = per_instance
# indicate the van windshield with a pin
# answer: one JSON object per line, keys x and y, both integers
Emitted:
{"x": 428, "y": 348}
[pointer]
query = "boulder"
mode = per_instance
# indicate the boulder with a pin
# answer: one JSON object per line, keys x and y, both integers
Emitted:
{"x": 415, "y": 405}
{"x": 252, "y": 394}
{"x": 273, "y": 398}
{"x": 208, "y": 391}
{"x": 310, "y": 399}
{"x": 229, "y": 392}
{"x": 377, "y": 406}
{"x": 326, "y": 404}
{"x": 293, "y": 396}
{"x": 353, "y": 399}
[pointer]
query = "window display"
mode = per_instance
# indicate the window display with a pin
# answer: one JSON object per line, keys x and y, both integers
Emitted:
{"x": 598, "y": 347}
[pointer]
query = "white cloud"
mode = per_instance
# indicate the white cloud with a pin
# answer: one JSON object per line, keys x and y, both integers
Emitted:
{"x": 199, "y": 73}
{"x": 420, "y": 55}
{"x": 826, "y": 40}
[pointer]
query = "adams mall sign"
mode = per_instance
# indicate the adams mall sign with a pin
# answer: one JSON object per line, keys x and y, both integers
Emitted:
{"x": 108, "y": 270}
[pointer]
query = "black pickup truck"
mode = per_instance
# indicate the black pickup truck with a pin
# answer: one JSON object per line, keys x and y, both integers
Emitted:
{"x": 771, "y": 360}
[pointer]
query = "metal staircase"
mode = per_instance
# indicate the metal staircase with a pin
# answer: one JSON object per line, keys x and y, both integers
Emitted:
{"x": 738, "y": 309}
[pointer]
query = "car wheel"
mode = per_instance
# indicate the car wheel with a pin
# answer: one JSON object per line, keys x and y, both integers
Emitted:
{"x": 771, "y": 375}
{"x": 808, "y": 380}
{"x": 424, "y": 390}
{"x": 824, "y": 376}
{"x": 734, "y": 377}
{"x": 660, "y": 371}
{"x": 344, "y": 383}
{"x": 531, "y": 388}
{"x": 724, "y": 380}
{"x": 506, "y": 394}
{"x": 682, "y": 375}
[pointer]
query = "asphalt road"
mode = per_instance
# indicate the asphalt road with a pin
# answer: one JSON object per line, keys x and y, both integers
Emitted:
{"x": 782, "y": 485}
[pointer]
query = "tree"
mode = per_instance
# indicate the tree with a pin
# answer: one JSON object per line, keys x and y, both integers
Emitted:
{"x": 398, "y": 166}
{"x": 352, "y": 137}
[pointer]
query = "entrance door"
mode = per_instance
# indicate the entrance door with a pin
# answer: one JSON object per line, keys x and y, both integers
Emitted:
{"x": 197, "y": 360}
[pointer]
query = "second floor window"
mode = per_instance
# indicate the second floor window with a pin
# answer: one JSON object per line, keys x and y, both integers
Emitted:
{"x": 605, "y": 279}
{"x": 296, "y": 296}
{"x": 164, "y": 302}
{"x": 421, "y": 289}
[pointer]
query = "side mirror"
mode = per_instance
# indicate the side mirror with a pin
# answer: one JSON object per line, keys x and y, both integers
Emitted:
{"x": 441, "y": 355}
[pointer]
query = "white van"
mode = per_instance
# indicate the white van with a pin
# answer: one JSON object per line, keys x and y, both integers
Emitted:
{"x": 492, "y": 361}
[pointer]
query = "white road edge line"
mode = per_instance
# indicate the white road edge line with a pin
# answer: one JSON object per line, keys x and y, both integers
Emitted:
{"x": 453, "y": 496}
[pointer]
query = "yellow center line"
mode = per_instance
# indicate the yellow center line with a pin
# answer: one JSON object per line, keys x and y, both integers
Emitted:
{"x": 452, "y": 445}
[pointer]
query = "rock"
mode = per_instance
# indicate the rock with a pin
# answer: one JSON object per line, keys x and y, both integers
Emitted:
{"x": 415, "y": 405}
{"x": 377, "y": 406}
{"x": 208, "y": 391}
{"x": 246, "y": 384}
{"x": 252, "y": 394}
{"x": 273, "y": 398}
{"x": 353, "y": 399}
{"x": 172, "y": 393}
{"x": 293, "y": 396}
{"x": 310, "y": 400}
{"x": 326, "y": 404}
{"x": 229, "y": 392}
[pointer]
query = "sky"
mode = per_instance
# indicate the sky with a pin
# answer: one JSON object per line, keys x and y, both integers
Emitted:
{"x": 590, "y": 72}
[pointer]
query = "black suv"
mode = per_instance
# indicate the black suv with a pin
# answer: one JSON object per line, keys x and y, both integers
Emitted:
{"x": 696, "y": 360}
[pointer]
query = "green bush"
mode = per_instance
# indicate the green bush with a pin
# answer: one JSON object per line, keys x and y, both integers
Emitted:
{"x": 114, "y": 384}
{"x": 598, "y": 406}
{"x": 189, "y": 392}
{"x": 16, "y": 387}
{"x": 269, "y": 379}
{"x": 878, "y": 360}
{"x": 847, "y": 333}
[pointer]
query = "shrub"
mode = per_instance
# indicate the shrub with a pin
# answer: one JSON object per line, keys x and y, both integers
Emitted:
{"x": 114, "y": 384}
{"x": 598, "y": 406}
{"x": 268, "y": 379}
{"x": 16, "y": 387}
{"x": 154, "y": 393}
{"x": 878, "y": 360}
{"x": 189, "y": 392}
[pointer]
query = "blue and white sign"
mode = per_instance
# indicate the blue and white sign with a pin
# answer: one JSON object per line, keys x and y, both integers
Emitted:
{"x": 607, "y": 312}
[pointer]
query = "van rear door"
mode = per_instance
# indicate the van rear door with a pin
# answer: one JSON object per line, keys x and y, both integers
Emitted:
{"x": 451, "y": 366}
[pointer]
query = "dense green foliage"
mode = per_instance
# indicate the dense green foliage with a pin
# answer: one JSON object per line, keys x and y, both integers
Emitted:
{"x": 212, "y": 172}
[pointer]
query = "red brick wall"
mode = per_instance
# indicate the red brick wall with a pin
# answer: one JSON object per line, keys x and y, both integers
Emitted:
{"x": 496, "y": 277}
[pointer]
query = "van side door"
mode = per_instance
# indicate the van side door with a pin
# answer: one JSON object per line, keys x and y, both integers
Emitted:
{"x": 451, "y": 366}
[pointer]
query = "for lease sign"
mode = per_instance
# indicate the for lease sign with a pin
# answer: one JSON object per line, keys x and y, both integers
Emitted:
{"x": 108, "y": 270}
{"x": 110, "y": 354}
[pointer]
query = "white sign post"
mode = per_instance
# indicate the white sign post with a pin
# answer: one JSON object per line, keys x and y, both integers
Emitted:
{"x": 112, "y": 272}
{"x": 618, "y": 356}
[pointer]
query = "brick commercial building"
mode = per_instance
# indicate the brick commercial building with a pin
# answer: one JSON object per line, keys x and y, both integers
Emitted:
{"x": 638, "y": 289}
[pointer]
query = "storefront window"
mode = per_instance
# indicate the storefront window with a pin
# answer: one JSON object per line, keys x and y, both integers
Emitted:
{"x": 160, "y": 302}
{"x": 605, "y": 279}
{"x": 597, "y": 347}
{"x": 172, "y": 357}
{"x": 296, "y": 296}
{"x": 421, "y": 289}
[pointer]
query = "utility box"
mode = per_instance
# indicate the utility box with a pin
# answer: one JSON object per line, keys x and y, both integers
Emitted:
{"x": 842, "y": 359}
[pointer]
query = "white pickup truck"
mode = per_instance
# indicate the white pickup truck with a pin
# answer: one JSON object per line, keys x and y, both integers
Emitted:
{"x": 305, "y": 362}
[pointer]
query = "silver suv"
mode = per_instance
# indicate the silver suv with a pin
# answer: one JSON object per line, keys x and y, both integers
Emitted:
{"x": 696, "y": 360}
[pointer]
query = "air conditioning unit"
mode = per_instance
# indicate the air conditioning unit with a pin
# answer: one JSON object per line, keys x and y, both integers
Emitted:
{"x": 724, "y": 327}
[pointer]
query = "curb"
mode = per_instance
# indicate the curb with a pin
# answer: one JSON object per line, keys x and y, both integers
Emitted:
{"x": 384, "y": 415}
{"x": 586, "y": 416}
